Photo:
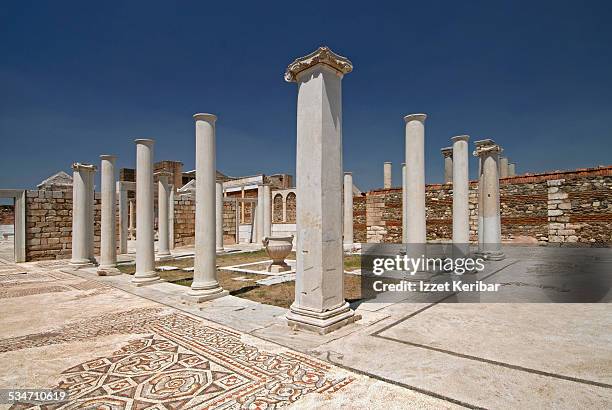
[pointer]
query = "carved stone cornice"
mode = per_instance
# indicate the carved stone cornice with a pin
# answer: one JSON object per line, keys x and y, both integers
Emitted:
{"x": 487, "y": 149}
{"x": 77, "y": 166}
{"x": 323, "y": 55}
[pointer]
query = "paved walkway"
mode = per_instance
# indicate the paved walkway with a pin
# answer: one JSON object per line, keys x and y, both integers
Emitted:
{"x": 117, "y": 350}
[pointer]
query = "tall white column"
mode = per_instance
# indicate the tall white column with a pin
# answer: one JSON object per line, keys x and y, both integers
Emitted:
{"x": 163, "y": 220}
{"x": 415, "y": 178}
{"x": 205, "y": 285}
{"x": 91, "y": 201}
{"x": 461, "y": 209}
{"x": 259, "y": 215}
{"x": 387, "y": 175}
{"x": 488, "y": 192}
{"x": 319, "y": 290}
{"x": 145, "y": 253}
{"x": 503, "y": 167}
{"x": 81, "y": 215}
{"x": 447, "y": 153}
{"x": 511, "y": 169}
{"x": 404, "y": 208}
{"x": 171, "y": 216}
{"x": 348, "y": 211}
{"x": 132, "y": 219}
{"x": 479, "y": 144}
{"x": 219, "y": 216}
{"x": 122, "y": 196}
{"x": 267, "y": 210}
{"x": 108, "y": 228}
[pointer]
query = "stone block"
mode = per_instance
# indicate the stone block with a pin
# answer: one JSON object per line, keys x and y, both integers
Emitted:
{"x": 565, "y": 205}
{"x": 554, "y": 212}
{"x": 558, "y": 195}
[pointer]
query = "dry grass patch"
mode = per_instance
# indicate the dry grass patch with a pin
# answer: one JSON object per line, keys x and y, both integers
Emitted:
{"x": 282, "y": 294}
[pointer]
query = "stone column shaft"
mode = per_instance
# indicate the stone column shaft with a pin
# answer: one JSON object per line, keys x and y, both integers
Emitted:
{"x": 511, "y": 169}
{"x": 108, "y": 235}
{"x": 91, "y": 200}
{"x": 259, "y": 215}
{"x": 488, "y": 192}
{"x": 388, "y": 175}
{"x": 319, "y": 300}
{"x": 163, "y": 220}
{"x": 132, "y": 219}
{"x": 205, "y": 285}
{"x": 448, "y": 164}
{"x": 503, "y": 167}
{"x": 267, "y": 211}
{"x": 348, "y": 210}
{"x": 81, "y": 214}
{"x": 461, "y": 188}
{"x": 122, "y": 197}
{"x": 171, "y": 217}
{"x": 145, "y": 253}
{"x": 415, "y": 178}
{"x": 219, "y": 216}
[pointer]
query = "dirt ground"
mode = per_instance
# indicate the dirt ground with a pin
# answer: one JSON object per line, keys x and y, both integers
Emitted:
{"x": 244, "y": 285}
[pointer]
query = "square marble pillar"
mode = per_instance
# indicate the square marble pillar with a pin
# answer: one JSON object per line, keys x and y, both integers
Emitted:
{"x": 319, "y": 301}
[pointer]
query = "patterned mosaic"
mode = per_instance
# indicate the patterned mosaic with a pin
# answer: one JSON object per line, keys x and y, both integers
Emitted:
{"x": 19, "y": 292}
{"x": 184, "y": 364}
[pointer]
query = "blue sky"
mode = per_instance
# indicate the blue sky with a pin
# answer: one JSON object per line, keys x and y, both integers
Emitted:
{"x": 80, "y": 79}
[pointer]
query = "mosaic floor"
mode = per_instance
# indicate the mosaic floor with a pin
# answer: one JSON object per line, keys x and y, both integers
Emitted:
{"x": 111, "y": 349}
{"x": 160, "y": 358}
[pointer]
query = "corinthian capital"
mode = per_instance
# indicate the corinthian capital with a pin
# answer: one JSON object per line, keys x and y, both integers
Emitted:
{"x": 323, "y": 55}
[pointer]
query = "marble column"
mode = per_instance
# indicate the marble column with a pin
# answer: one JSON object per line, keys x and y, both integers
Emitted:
{"x": 108, "y": 227}
{"x": 82, "y": 222}
{"x": 205, "y": 285}
{"x": 511, "y": 169}
{"x": 503, "y": 167}
{"x": 461, "y": 209}
{"x": 404, "y": 209}
{"x": 479, "y": 144}
{"x": 122, "y": 196}
{"x": 348, "y": 211}
{"x": 415, "y": 178}
{"x": 163, "y": 219}
{"x": 267, "y": 211}
{"x": 387, "y": 175}
{"x": 447, "y": 153}
{"x": 219, "y": 217}
{"x": 488, "y": 192}
{"x": 171, "y": 216}
{"x": 259, "y": 215}
{"x": 319, "y": 289}
{"x": 132, "y": 219}
{"x": 91, "y": 201}
{"x": 145, "y": 253}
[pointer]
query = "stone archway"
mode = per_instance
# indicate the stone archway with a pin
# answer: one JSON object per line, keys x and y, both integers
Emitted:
{"x": 290, "y": 205}
{"x": 277, "y": 210}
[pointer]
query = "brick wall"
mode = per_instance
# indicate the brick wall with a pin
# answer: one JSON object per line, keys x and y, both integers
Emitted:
{"x": 359, "y": 219}
{"x": 557, "y": 207}
{"x": 184, "y": 222}
{"x": 49, "y": 225}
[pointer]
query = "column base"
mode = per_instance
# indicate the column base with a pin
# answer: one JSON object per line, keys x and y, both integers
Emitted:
{"x": 204, "y": 295}
{"x": 320, "y": 322}
{"x": 81, "y": 263}
{"x": 145, "y": 279}
{"x": 219, "y": 250}
{"x": 108, "y": 270}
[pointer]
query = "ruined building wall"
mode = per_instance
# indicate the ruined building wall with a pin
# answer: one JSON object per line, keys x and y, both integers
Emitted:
{"x": 7, "y": 214}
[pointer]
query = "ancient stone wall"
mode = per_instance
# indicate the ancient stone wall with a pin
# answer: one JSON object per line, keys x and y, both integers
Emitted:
{"x": 184, "y": 222}
{"x": 49, "y": 225}
{"x": 359, "y": 219}
{"x": 558, "y": 207}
